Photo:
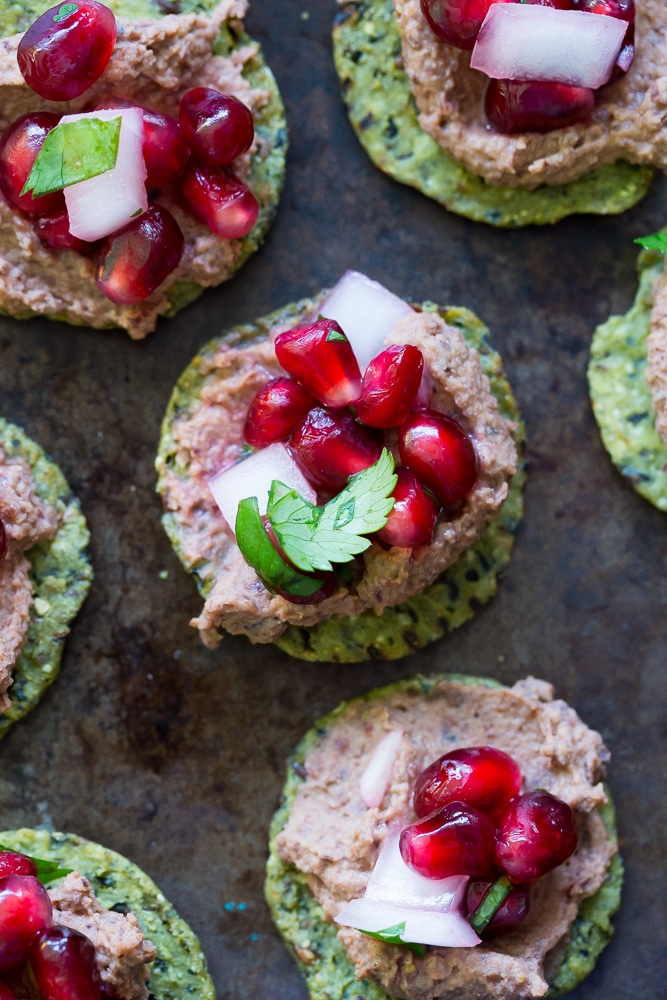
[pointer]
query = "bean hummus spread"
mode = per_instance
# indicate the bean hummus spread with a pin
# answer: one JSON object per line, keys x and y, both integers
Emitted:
{"x": 210, "y": 437}
{"x": 334, "y": 839}
{"x": 154, "y": 63}
{"x": 628, "y": 122}
{"x": 656, "y": 349}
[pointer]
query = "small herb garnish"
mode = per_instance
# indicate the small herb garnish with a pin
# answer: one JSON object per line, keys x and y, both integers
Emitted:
{"x": 64, "y": 12}
{"x": 47, "y": 871}
{"x": 656, "y": 241}
{"x": 392, "y": 935}
{"x": 491, "y": 903}
{"x": 73, "y": 152}
{"x": 335, "y": 335}
{"x": 258, "y": 550}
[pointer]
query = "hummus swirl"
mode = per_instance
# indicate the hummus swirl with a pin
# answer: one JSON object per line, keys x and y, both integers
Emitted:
{"x": 656, "y": 349}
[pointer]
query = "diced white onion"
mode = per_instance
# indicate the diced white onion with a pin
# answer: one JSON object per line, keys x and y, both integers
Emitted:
{"x": 373, "y": 782}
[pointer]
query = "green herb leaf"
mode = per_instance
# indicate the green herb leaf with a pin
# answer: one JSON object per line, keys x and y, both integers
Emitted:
{"x": 335, "y": 335}
{"x": 315, "y": 537}
{"x": 47, "y": 871}
{"x": 64, "y": 12}
{"x": 494, "y": 898}
{"x": 392, "y": 935}
{"x": 258, "y": 550}
{"x": 656, "y": 241}
{"x": 73, "y": 152}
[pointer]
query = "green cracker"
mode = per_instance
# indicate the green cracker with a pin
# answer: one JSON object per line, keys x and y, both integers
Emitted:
{"x": 620, "y": 395}
{"x": 383, "y": 113}
{"x": 179, "y": 971}
{"x": 60, "y": 575}
{"x": 447, "y": 603}
{"x": 313, "y": 941}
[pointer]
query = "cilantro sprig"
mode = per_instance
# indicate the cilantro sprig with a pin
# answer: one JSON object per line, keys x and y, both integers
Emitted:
{"x": 73, "y": 152}
{"x": 47, "y": 871}
{"x": 656, "y": 241}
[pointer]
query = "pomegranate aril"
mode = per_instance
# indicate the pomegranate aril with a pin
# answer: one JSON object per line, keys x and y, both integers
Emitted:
{"x": 622, "y": 9}
{"x": 440, "y": 454}
{"x": 389, "y": 387}
{"x": 513, "y": 106}
{"x": 221, "y": 200}
{"x": 456, "y": 21}
{"x": 11, "y": 862}
{"x": 275, "y": 411}
{"x": 67, "y": 49}
{"x": 6, "y": 993}
{"x": 216, "y": 127}
{"x": 25, "y": 909}
{"x": 455, "y": 840}
{"x": 511, "y": 912}
{"x": 483, "y": 777}
{"x": 64, "y": 965}
{"x": 19, "y": 148}
{"x": 331, "y": 446}
{"x": 53, "y": 231}
{"x": 558, "y": 4}
{"x": 412, "y": 520}
{"x": 536, "y": 833}
{"x": 166, "y": 154}
{"x": 132, "y": 263}
{"x": 320, "y": 357}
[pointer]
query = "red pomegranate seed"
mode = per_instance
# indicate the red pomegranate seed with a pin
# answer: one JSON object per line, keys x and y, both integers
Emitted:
{"x": 331, "y": 446}
{"x": 53, "y": 231}
{"x": 221, "y": 200}
{"x": 412, "y": 521}
{"x": 166, "y": 154}
{"x": 67, "y": 48}
{"x": 536, "y": 833}
{"x": 275, "y": 411}
{"x": 320, "y": 357}
{"x": 624, "y": 10}
{"x": 13, "y": 863}
{"x": 511, "y": 912}
{"x": 456, "y": 21}
{"x": 6, "y": 993}
{"x": 389, "y": 387}
{"x": 512, "y": 106}
{"x": 481, "y": 776}
{"x": 3, "y": 539}
{"x": 217, "y": 127}
{"x": 455, "y": 840}
{"x": 133, "y": 262}
{"x": 64, "y": 966}
{"x": 19, "y": 147}
{"x": 558, "y": 4}
{"x": 440, "y": 454}
{"x": 25, "y": 909}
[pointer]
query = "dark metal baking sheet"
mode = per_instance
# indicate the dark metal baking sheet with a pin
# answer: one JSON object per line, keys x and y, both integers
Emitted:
{"x": 174, "y": 755}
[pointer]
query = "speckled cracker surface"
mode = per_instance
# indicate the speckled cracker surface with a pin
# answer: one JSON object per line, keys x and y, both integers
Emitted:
{"x": 447, "y": 603}
{"x": 60, "y": 575}
{"x": 314, "y": 942}
{"x": 381, "y": 108}
{"x": 179, "y": 971}
{"x": 620, "y": 395}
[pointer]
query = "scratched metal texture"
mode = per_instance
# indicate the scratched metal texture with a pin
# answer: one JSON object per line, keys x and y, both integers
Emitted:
{"x": 174, "y": 755}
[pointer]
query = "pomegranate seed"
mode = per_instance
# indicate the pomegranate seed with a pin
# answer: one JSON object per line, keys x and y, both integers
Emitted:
{"x": 558, "y": 4}
{"x": 512, "y": 106}
{"x": 624, "y": 10}
{"x": 389, "y": 387}
{"x": 481, "y": 776}
{"x": 63, "y": 963}
{"x": 217, "y": 127}
{"x": 320, "y": 356}
{"x": 511, "y": 912}
{"x": 13, "y": 863}
{"x": 133, "y": 262}
{"x": 18, "y": 151}
{"x": 536, "y": 833}
{"x": 456, "y": 21}
{"x": 221, "y": 200}
{"x": 331, "y": 446}
{"x": 455, "y": 840}
{"x": 53, "y": 231}
{"x": 3, "y": 539}
{"x": 166, "y": 154}
{"x": 441, "y": 455}
{"x": 25, "y": 909}
{"x": 275, "y": 411}
{"x": 67, "y": 48}
{"x": 412, "y": 521}
{"x": 6, "y": 993}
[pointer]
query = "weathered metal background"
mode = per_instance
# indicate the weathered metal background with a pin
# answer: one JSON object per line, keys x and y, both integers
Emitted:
{"x": 174, "y": 755}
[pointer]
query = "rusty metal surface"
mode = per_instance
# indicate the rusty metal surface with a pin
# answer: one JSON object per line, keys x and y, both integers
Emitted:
{"x": 174, "y": 755}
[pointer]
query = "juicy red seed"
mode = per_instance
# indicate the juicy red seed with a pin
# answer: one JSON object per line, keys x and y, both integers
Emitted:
{"x": 481, "y": 776}
{"x": 440, "y": 454}
{"x": 275, "y": 411}
{"x": 412, "y": 520}
{"x": 63, "y": 963}
{"x": 331, "y": 446}
{"x": 389, "y": 387}
{"x": 53, "y": 231}
{"x": 511, "y": 912}
{"x": 222, "y": 201}
{"x": 217, "y": 127}
{"x": 6, "y": 993}
{"x": 536, "y": 833}
{"x": 512, "y": 106}
{"x": 166, "y": 154}
{"x": 19, "y": 147}
{"x": 64, "y": 51}
{"x": 3, "y": 539}
{"x": 133, "y": 262}
{"x": 455, "y": 840}
{"x": 624, "y": 10}
{"x": 13, "y": 863}
{"x": 456, "y": 21}
{"x": 320, "y": 357}
{"x": 25, "y": 909}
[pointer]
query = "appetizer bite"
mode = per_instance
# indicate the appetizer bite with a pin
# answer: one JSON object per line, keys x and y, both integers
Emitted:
{"x": 140, "y": 160}
{"x": 509, "y": 113}
{"x": 445, "y": 838}
{"x": 102, "y": 928}
{"x": 342, "y": 476}
{"x": 45, "y": 572}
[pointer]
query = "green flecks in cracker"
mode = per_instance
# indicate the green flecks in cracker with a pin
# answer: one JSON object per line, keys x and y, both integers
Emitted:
{"x": 381, "y": 108}
{"x": 60, "y": 574}
{"x": 620, "y": 395}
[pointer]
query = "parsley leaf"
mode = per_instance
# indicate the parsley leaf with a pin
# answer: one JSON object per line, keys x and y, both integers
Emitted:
{"x": 73, "y": 152}
{"x": 47, "y": 871}
{"x": 258, "y": 550}
{"x": 656, "y": 241}
{"x": 315, "y": 537}
{"x": 392, "y": 935}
